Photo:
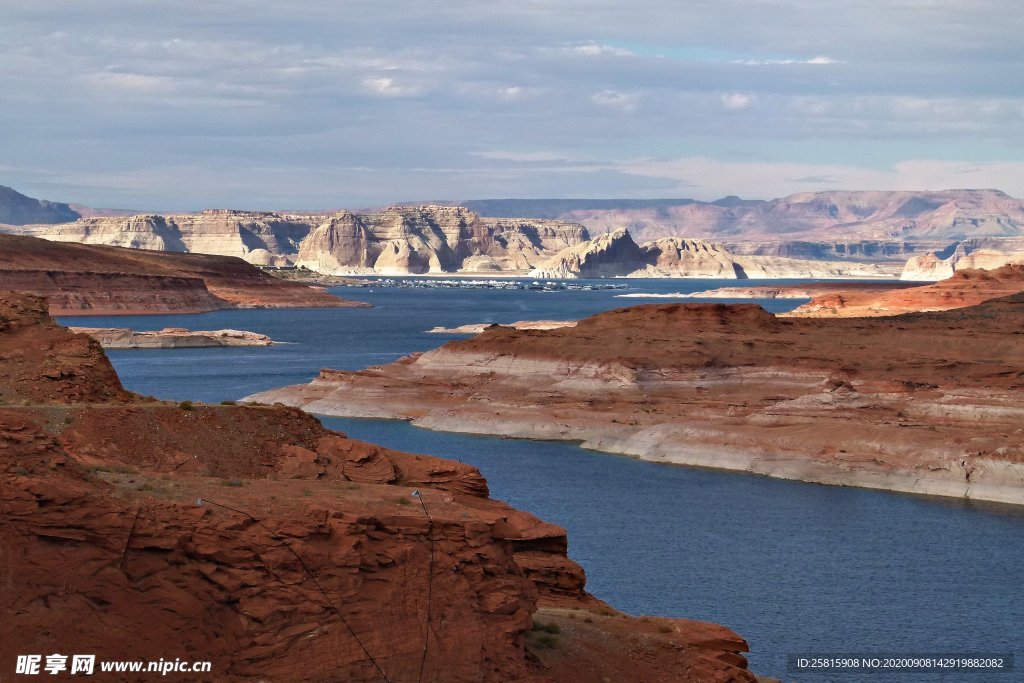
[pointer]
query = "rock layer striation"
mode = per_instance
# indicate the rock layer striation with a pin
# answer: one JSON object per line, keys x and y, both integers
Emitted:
{"x": 89, "y": 279}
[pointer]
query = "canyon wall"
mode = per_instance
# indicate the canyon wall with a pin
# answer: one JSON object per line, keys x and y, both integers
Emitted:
{"x": 986, "y": 252}
{"x": 394, "y": 241}
{"x": 257, "y": 540}
{"x": 616, "y": 254}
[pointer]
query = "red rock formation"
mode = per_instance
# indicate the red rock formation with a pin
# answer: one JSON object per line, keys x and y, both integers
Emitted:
{"x": 90, "y": 279}
{"x": 965, "y": 288}
{"x": 256, "y": 539}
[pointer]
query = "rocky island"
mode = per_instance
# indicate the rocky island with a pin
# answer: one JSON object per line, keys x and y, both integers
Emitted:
{"x": 171, "y": 338}
{"x": 253, "y": 538}
{"x": 477, "y": 328}
{"x": 927, "y": 403}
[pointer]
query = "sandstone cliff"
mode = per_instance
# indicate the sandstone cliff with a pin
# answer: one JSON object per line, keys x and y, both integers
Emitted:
{"x": 925, "y": 402}
{"x": 610, "y": 255}
{"x": 17, "y": 209}
{"x": 253, "y": 538}
{"x": 985, "y": 253}
{"x": 261, "y": 238}
{"x": 431, "y": 239}
{"x": 616, "y": 254}
{"x": 396, "y": 241}
{"x": 91, "y": 279}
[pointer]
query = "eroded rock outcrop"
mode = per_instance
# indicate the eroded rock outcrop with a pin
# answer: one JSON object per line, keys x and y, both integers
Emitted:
{"x": 91, "y": 279}
{"x": 263, "y": 238}
{"x": 925, "y": 402}
{"x": 253, "y": 538}
{"x": 610, "y": 255}
{"x": 987, "y": 254}
{"x": 616, "y": 254}
{"x": 964, "y": 288}
{"x": 431, "y": 239}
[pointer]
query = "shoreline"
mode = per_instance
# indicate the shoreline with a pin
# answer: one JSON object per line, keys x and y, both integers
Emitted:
{"x": 867, "y": 402}
{"x": 720, "y": 458}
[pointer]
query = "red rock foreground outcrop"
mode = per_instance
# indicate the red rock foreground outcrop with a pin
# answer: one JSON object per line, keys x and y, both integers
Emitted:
{"x": 85, "y": 279}
{"x": 927, "y": 402}
{"x": 256, "y": 539}
{"x": 965, "y": 288}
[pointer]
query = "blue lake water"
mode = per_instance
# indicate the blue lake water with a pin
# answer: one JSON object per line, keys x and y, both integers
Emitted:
{"x": 792, "y": 567}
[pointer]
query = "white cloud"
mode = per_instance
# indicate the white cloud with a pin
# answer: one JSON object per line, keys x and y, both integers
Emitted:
{"x": 735, "y": 101}
{"x": 597, "y": 50}
{"x": 614, "y": 99}
{"x": 389, "y": 87}
{"x": 820, "y": 60}
{"x": 505, "y": 155}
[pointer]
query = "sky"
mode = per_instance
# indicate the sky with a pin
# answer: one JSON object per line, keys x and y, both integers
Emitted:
{"x": 316, "y": 104}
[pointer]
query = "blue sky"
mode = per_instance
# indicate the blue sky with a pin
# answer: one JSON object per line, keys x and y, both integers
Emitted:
{"x": 315, "y": 104}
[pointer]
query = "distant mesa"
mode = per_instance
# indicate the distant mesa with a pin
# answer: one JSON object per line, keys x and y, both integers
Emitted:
{"x": 829, "y": 217}
{"x": 17, "y": 209}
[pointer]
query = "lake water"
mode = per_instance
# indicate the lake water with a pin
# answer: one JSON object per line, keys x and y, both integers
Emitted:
{"x": 793, "y": 567}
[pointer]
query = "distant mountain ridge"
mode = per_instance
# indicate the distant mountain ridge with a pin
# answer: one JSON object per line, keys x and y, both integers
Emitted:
{"x": 18, "y": 209}
{"x": 810, "y": 216}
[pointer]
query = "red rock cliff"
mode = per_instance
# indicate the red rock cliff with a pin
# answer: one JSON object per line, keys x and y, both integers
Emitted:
{"x": 256, "y": 539}
{"x": 92, "y": 279}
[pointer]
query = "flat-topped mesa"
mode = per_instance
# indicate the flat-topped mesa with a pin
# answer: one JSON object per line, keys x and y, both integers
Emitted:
{"x": 93, "y": 279}
{"x": 258, "y": 540}
{"x": 963, "y": 289}
{"x": 923, "y": 402}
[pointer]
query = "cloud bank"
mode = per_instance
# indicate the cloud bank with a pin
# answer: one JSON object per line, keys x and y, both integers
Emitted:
{"x": 317, "y": 104}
